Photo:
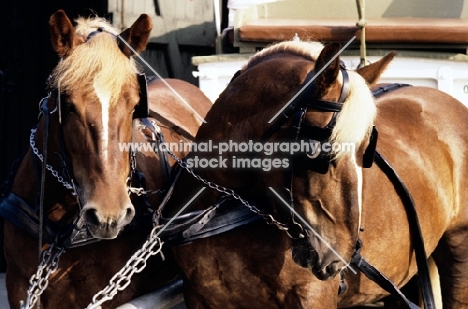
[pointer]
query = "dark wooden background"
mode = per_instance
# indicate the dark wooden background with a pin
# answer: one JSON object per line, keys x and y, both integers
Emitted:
{"x": 26, "y": 59}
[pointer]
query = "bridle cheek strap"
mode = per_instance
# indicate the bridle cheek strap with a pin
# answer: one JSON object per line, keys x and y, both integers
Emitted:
{"x": 304, "y": 101}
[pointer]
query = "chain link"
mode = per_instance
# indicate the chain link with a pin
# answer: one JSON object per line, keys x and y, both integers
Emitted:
{"x": 137, "y": 262}
{"x": 230, "y": 192}
{"x": 55, "y": 173}
{"x": 49, "y": 263}
{"x": 141, "y": 191}
{"x": 40, "y": 280}
{"x": 134, "y": 265}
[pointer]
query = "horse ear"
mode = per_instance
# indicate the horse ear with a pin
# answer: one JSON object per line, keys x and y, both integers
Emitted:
{"x": 137, "y": 35}
{"x": 62, "y": 33}
{"x": 371, "y": 73}
{"x": 330, "y": 72}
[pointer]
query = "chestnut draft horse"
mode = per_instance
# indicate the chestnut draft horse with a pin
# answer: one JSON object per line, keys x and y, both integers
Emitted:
{"x": 423, "y": 134}
{"x": 94, "y": 92}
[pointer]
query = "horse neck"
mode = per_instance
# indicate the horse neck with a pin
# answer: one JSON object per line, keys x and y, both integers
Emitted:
{"x": 241, "y": 114}
{"x": 171, "y": 110}
{"x": 58, "y": 201}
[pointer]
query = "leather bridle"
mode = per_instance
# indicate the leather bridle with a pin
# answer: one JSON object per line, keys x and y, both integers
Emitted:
{"x": 78, "y": 235}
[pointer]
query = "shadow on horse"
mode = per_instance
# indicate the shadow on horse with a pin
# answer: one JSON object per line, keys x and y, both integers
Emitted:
{"x": 298, "y": 196}
{"x": 95, "y": 197}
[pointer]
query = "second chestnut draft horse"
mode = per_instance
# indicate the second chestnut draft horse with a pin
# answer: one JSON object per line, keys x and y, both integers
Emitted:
{"x": 94, "y": 94}
{"x": 231, "y": 260}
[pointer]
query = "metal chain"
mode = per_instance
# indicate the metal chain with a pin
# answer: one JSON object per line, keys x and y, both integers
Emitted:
{"x": 141, "y": 191}
{"x": 55, "y": 173}
{"x": 230, "y": 192}
{"x": 49, "y": 264}
{"x": 137, "y": 262}
{"x": 268, "y": 218}
{"x": 134, "y": 265}
{"x": 133, "y": 165}
{"x": 39, "y": 281}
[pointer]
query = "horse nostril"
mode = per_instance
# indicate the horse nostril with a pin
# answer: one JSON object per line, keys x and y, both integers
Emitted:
{"x": 331, "y": 269}
{"x": 130, "y": 213}
{"x": 90, "y": 216}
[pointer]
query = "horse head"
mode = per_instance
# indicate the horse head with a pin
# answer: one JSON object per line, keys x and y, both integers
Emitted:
{"x": 328, "y": 115}
{"x": 97, "y": 85}
{"x": 326, "y": 181}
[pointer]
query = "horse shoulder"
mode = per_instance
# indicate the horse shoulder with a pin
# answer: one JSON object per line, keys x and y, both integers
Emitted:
{"x": 423, "y": 133}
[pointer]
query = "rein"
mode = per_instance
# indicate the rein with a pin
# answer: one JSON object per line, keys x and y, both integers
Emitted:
{"x": 45, "y": 112}
{"x": 418, "y": 241}
{"x": 49, "y": 262}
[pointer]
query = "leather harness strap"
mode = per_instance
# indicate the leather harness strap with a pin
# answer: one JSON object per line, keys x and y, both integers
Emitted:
{"x": 415, "y": 228}
{"x": 304, "y": 100}
{"x": 375, "y": 275}
{"x": 416, "y": 235}
{"x": 212, "y": 221}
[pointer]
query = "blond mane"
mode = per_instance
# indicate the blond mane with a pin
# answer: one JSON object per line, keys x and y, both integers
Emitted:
{"x": 354, "y": 123}
{"x": 97, "y": 63}
{"x": 309, "y": 50}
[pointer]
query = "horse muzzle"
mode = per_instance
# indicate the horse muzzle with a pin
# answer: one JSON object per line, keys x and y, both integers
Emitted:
{"x": 106, "y": 226}
{"x": 318, "y": 258}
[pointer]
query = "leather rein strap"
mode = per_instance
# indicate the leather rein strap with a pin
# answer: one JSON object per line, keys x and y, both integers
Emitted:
{"x": 375, "y": 275}
{"x": 46, "y": 113}
{"x": 417, "y": 239}
{"x": 415, "y": 227}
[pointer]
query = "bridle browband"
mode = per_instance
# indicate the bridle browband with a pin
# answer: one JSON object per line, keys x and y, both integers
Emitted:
{"x": 302, "y": 130}
{"x": 304, "y": 100}
{"x": 99, "y": 30}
